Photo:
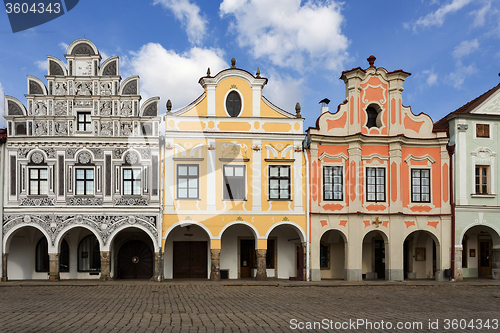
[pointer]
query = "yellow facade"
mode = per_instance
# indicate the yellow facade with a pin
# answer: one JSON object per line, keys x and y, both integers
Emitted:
{"x": 218, "y": 189}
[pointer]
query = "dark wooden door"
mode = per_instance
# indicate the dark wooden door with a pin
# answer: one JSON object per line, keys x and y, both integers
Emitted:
{"x": 484, "y": 258}
{"x": 135, "y": 260}
{"x": 380, "y": 259}
{"x": 190, "y": 260}
{"x": 247, "y": 257}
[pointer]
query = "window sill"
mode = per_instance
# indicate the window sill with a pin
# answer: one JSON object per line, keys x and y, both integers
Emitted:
{"x": 279, "y": 200}
{"x": 37, "y": 195}
{"x": 483, "y": 195}
{"x": 187, "y": 199}
{"x": 235, "y": 200}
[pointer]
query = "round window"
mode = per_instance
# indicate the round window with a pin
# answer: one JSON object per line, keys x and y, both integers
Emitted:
{"x": 233, "y": 104}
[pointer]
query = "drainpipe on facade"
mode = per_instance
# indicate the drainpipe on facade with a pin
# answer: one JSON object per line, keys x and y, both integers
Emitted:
{"x": 308, "y": 217}
{"x": 160, "y": 229}
{"x": 2, "y": 165}
{"x": 451, "y": 150}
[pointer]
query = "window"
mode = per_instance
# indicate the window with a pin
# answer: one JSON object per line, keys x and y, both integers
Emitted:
{"x": 482, "y": 174}
{"x": 332, "y": 183}
{"x": 131, "y": 181}
{"x": 42, "y": 256}
{"x": 188, "y": 184}
{"x": 39, "y": 184}
{"x": 64, "y": 257}
{"x": 20, "y": 128}
{"x": 233, "y": 104}
{"x": 420, "y": 185}
{"x": 375, "y": 184}
{"x": 482, "y": 130}
{"x": 270, "y": 254}
{"x": 83, "y": 122}
{"x": 324, "y": 256}
{"x": 89, "y": 255}
{"x": 84, "y": 182}
{"x": 279, "y": 182}
{"x": 372, "y": 117}
{"x": 234, "y": 182}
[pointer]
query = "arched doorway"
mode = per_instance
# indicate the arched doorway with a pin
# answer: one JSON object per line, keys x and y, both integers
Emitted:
{"x": 332, "y": 255}
{"x": 238, "y": 259}
{"x": 375, "y": 260}
{"x": 477, "y": 251}
{"x": 420, "y": 255}
{"x": 135, "y": 260}
{"x": 132, "y": 255}
{"x": 187, "y": 253}
{"x": 27, "y": 254}
{"x": 79, "y": 254}
{"x": 285, "y": 253}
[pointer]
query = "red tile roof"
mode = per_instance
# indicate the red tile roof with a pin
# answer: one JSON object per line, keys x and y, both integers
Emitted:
{"x": 442, "y": 124}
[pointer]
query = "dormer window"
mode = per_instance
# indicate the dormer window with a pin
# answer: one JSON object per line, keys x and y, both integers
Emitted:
{"x": 372, "y": 117}
{"x": 233, "y": 104}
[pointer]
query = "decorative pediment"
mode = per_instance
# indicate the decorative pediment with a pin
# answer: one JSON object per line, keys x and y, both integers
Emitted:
{"x": 333, "y": 157}
{"x": 425, "y": 157}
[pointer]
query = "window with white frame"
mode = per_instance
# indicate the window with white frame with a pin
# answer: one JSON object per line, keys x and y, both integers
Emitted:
{"x": 375, "y": 184}
{"x": 279, "y": 182}
{"x": 234, "y": 182}
{"x": 38, "y": 181}
{"x": 420, "y": 185}
{"x": 188, "y": 183}
{"x": 332, "y": 183}
{"x": 131, "y": 181}
{"x": 84, "y": 181}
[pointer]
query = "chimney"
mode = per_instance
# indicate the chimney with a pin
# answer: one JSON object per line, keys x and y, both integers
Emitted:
{"x": 324, "y": 105}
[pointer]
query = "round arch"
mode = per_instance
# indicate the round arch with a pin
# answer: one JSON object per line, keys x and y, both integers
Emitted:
{"x": 385, "y": 236}
{"x": 252, "y": 227}
{"x": 72, "y": 226}
{"x": 333, "y": 229}
{"x": 292, "y": 224}
{"x": 8, "y": 236}
{"x": 188, "y": 223}
{"x": 113, "y": 235}
{"x": 495, "y": 235}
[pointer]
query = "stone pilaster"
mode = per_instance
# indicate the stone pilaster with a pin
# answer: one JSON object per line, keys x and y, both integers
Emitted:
{"x": 304, "y": 261}
{"x": 495, "y": 272}
{"x": 105, "y": 266}
{"x": 156, "y": 267}
{"x": 459, "y": 272}
{"x": 261, "y": 265}
{"x": 215, "y": 264}
{"x": 54, "y": 267}
{"x": 4, "y": 267}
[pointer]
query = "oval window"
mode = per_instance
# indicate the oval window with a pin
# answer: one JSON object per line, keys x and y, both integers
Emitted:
{"x": 233, "y": 104}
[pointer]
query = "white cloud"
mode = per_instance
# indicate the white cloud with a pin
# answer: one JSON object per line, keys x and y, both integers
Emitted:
{"x": 465, "y": 48}
{"x": 437, "y": 18}
{"x": 64, "y": 46}
{"x": 431, "y": 77}
{"x": 461, "y": 72}
{"x": 189, "y": 15}
{"x": 41, "y": 64}
{"x": 479, "y": 15}
{"x": 290, "y": 34}
{"x": 170, "y": 75}
{"x": 283, "y": 91}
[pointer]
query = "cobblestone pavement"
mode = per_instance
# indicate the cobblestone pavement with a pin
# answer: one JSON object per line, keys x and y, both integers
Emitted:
{"x": 165, "y": 307}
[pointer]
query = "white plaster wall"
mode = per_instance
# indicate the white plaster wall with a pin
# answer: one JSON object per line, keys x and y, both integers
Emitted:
{"x": 229, "y": 248}
{"x": 337, "y": 256}
{"x": 21, "y": 259}
{"x": 179, "y": 235}
{"x": 286, "y": 259}
{"x": 367, "y": 257}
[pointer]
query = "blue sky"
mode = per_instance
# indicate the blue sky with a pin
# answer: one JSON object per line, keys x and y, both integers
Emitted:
{"x": 451, "y": 47}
